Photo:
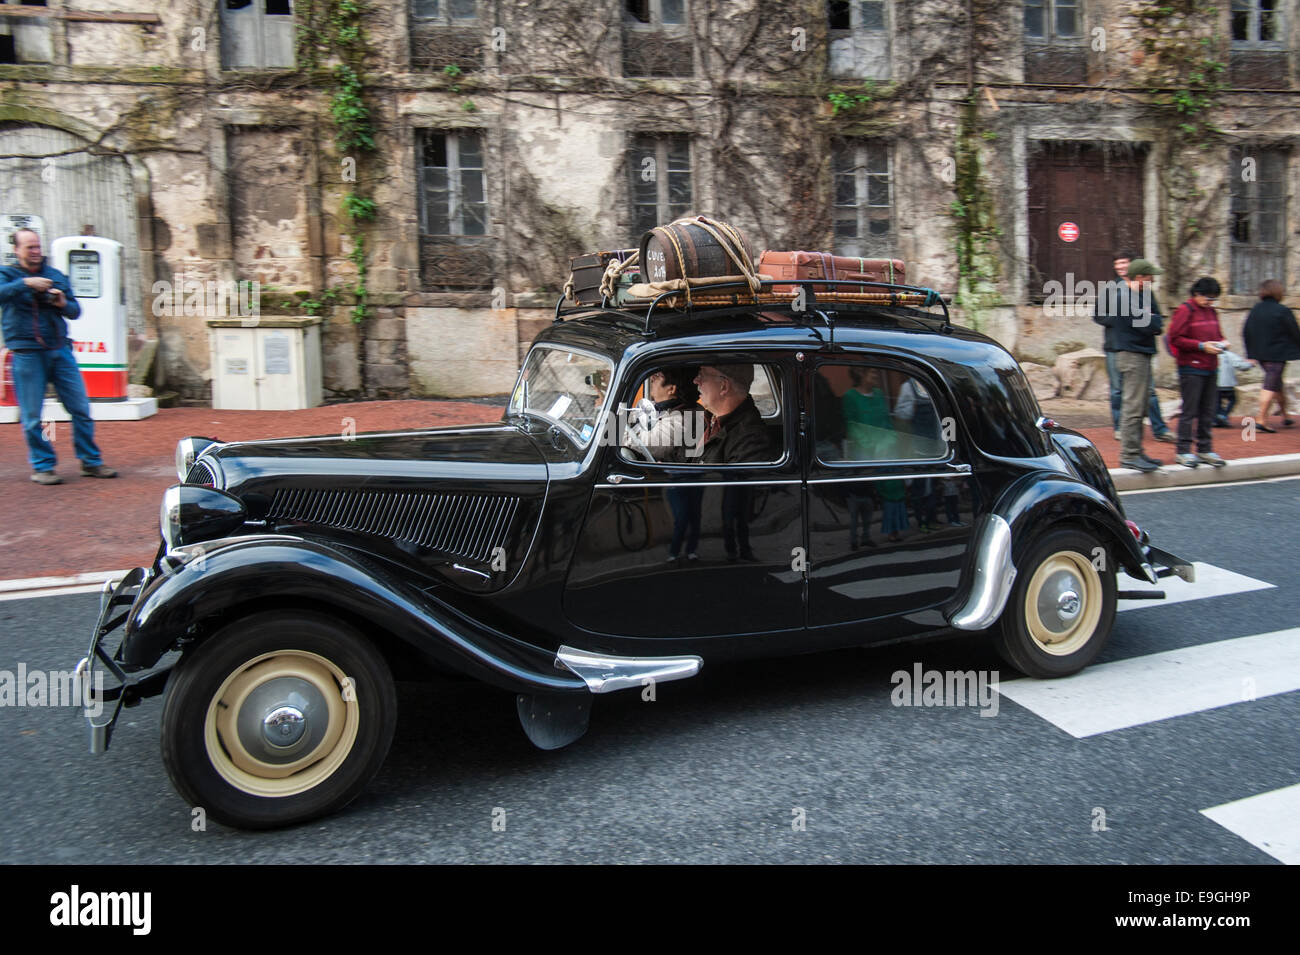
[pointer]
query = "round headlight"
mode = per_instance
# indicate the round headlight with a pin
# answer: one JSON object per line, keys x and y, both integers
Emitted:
{"x": 191, "y": 513}
{"x": 187, "y": 449}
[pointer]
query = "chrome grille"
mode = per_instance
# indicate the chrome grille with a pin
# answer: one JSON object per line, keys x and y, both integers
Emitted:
{"x": 200, "y": 473}
{"x": 469, "y": 526}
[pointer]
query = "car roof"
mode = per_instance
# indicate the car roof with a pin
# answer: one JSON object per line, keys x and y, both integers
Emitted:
{"x": 981, "y": 374}
{"x": 901, "y": 328}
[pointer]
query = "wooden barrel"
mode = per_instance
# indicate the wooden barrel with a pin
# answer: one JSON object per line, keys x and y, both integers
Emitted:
{"x": 587, "y": 270}
{"x": 685, "y": 250}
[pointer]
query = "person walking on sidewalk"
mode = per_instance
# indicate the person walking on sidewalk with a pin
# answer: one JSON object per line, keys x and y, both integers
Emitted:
{"x": 1272, "y": 339}
{"x": 1134, "y": 317}
{"x": 36, "y": 299}
{"x": 1196, "y": 341}
{"x": 1158, "y": 426}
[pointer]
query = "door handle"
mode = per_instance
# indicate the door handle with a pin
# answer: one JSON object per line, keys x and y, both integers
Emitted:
{"x": 617, "y": 478}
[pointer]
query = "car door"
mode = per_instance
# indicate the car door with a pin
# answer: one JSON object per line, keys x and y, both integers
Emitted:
{"x": 625, "y": 581}
{"x": 890, "y": 498}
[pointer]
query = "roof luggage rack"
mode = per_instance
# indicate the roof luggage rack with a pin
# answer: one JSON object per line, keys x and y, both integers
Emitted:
{"x": 714, "y": 296}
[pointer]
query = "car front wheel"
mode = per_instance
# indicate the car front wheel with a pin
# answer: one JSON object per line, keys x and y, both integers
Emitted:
{"x": 276, "y": 719}
{"x": 1061, "y": 608}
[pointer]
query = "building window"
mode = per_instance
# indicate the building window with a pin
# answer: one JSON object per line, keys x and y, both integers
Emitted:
{"x": 657, "y": 13}
{"x": 453, "y": 200}
{"x": 444, "y": 11}
{"x": 445, "y": 34}
{"x": 864, "y": 208}
{"x": 660, "y": 170}
{"x": 655, "y": 39}
{"x": 25, "y": 39}
{"x": 1257, "y": 23}
{"x": 1052, "y": 20}
{"x": 859, "y": 38}
{"x": 257, "y": 34}
{"x": 1258, "y": 217}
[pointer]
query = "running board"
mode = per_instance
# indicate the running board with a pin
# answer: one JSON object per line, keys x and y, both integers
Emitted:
{"x": 604, "y": 673}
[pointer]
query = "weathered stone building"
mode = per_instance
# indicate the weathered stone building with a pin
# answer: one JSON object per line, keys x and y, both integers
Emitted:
{"x": 418, "y": 172}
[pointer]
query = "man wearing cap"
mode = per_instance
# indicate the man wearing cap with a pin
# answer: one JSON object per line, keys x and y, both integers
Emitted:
{"x": 37, "y": 299}
{"x": 1134, "y": 322}
{"x": 734, "y": 435}
{"x": 735, "y": 432}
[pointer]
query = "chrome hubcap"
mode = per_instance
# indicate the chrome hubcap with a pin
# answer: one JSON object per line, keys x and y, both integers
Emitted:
{"x": 1067, "y": 605}
{"x": 284, "y": 726}
{"x": 281, "y": 719}
{"x": 1058, "y": 600}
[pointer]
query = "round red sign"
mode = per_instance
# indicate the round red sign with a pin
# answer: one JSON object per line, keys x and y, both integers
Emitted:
{"x": 1068, "y": 231}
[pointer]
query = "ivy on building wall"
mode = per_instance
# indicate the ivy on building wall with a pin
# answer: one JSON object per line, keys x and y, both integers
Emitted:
{"x": 974, "y": 219}
{"x": 1184, "y": 67}
{"x": 331, "y": 37}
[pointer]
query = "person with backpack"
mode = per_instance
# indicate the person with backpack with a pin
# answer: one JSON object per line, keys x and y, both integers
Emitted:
{"x": 1196, "y": 340}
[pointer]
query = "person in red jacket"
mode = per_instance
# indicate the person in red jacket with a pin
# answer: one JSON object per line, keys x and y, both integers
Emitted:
{"x": 1196, "y": 340}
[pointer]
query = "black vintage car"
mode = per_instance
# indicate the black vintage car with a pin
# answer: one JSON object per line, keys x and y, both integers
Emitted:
{"x": 896, "y": 480}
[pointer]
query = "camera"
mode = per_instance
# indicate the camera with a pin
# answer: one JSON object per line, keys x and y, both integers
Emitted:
{"x": 46, "y": 297}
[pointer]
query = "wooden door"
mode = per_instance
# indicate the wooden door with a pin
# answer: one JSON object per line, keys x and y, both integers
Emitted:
{"x": 1096, "y": 186}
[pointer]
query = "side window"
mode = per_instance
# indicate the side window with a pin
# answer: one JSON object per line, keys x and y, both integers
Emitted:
{"x": 725, "y": 413}
{"x": 867, "y": 413}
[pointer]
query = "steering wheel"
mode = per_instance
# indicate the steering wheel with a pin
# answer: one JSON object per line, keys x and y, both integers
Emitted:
{"x": 636, "y": 444}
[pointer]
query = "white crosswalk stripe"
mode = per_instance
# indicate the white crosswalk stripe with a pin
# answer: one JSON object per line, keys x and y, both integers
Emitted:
{"x": 1270, "y": 822}
{"x": 1211, "y": 581}
{"x": 1160, "y": 686}
{"x": 1114, "y": 696}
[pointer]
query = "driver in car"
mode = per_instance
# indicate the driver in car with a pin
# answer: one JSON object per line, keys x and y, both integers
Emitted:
{"x": 676, "y": 418}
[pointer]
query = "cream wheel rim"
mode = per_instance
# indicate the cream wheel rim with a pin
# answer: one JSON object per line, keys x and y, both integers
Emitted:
{"x": 281, "y": 723}
{"x": 1063, "y": 603}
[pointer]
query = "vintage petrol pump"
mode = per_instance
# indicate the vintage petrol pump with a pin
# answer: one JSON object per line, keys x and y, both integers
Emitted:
{"x": 93, "y": 265}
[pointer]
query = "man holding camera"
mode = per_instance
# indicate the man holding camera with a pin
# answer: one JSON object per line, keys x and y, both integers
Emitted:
{"x": 36, "y": 300}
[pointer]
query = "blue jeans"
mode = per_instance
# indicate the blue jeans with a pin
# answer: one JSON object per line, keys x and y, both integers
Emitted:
{"x": 32, "y": 370}
{"x": 1158, "y": 425}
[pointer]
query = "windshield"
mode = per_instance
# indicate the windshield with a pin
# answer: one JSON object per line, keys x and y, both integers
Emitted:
{"x": 565, "y": 387}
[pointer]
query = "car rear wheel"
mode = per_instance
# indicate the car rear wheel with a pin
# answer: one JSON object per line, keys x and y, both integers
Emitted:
{"x": 276, "y": 719}
{"x": 1062, "y": 607}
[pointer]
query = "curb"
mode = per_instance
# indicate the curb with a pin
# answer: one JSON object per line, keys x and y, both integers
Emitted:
{"x": 1175, "y": 475}
{"x": 87, "y": 583}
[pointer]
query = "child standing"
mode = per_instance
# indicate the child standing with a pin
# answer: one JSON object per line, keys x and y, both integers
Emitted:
{"x": 1229, "y": 364}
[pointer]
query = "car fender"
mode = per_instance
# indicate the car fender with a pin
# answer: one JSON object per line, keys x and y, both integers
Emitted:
{"x": 244, "y": 570}
{"x": 1033, "y": 504}
{"x": 1030, "y": 506}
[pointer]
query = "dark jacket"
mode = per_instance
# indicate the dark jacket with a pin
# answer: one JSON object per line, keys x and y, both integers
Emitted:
{"x": 1190, "y": 325}
{"x": 1099, "y": 313}
{"x": 1128, "y": 326}
{"x": 741, "y": 438}
{"x": 25, "y": 318}
{"x": 1270, "y": 332}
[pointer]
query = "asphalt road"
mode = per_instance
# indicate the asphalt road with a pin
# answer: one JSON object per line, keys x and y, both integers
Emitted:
{"x": 714, "y": 769}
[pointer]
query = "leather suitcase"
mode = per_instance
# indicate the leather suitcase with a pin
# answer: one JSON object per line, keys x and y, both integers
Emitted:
{"x": 823, "y": 265}
{"x": 587, "y": 271}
